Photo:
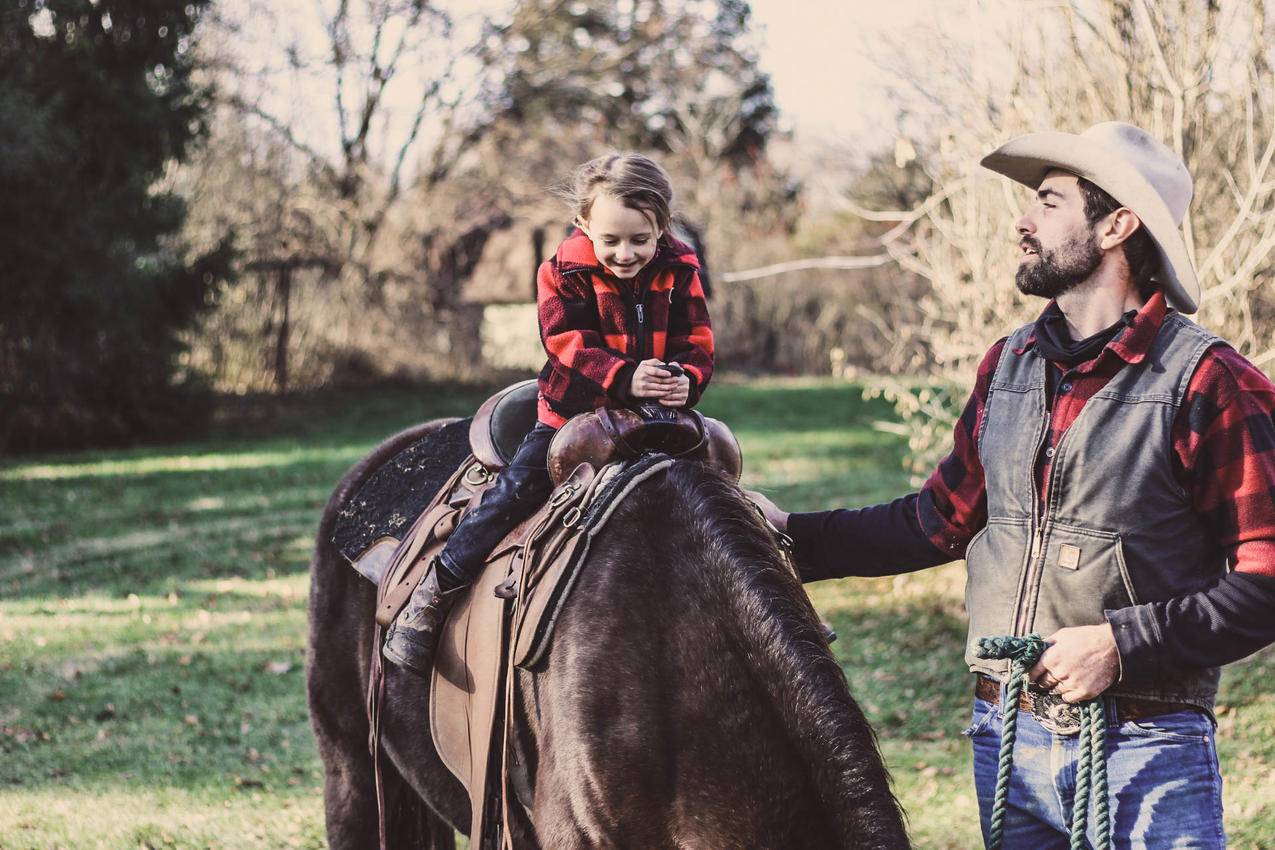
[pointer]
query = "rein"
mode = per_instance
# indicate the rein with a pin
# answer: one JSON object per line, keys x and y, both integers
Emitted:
{"x": 1091, "y": 767}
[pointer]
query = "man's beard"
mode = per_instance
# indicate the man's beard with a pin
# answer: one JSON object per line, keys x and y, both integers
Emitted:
{"x": 1062, "y": 269}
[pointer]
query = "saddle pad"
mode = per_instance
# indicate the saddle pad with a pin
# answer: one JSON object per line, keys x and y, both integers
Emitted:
{"x": 388, "y": 502}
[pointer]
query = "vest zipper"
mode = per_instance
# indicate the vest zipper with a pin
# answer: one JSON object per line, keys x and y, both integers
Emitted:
{"x": 1035, "y": 556}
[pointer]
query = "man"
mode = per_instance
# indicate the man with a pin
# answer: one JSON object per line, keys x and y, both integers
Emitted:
{"x": 1111, "y": 487}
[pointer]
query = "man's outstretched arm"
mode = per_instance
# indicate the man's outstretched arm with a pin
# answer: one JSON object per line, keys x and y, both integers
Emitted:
{"x": 920, "y": 530}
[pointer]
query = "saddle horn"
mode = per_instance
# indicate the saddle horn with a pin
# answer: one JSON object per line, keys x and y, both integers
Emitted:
{"x": 604, "y": 435}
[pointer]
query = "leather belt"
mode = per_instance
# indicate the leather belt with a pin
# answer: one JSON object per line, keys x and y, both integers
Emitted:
{"x": 1062, "y": 717}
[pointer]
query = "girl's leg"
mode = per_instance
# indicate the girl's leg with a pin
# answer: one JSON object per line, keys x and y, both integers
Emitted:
{"x": 519, "y": 490}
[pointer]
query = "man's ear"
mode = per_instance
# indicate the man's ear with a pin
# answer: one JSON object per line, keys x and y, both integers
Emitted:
{"x": 1120, "y": 225}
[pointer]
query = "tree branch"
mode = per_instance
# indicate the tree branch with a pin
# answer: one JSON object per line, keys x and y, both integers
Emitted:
{"x": 846, "y": 263}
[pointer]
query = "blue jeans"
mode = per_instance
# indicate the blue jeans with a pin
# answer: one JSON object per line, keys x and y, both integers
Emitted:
{"x": 520, "y": 490}
{"x": 1165, "y": 787}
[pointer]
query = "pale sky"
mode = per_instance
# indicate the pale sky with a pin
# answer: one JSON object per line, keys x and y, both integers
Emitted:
{"x": 815, "y": 54}
{"x": 828, "y": 58}
{"x": 828, "y": 61}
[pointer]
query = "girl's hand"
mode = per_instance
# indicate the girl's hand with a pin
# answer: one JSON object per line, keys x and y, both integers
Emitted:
{"x": 679, "y": 394}
{"x": 651, "y": 381}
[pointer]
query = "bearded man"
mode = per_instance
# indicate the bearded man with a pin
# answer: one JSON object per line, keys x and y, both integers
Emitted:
{"x": 1111, "y": 486}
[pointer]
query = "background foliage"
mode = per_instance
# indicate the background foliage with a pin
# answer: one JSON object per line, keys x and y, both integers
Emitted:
{"x": 97, "y": 100}
{"x": 223, "y": 222}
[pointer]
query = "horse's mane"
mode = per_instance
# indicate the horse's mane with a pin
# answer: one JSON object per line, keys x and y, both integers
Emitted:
{"x": 781, "y": 631}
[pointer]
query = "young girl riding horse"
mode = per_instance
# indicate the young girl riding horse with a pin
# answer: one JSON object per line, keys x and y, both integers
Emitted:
{"x": 624, "y": 321}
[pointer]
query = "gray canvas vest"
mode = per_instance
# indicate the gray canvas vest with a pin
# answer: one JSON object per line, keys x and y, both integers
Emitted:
{"x": 1117, "y": 529}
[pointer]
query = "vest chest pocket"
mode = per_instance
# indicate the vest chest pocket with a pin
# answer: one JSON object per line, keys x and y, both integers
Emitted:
{"x": 1083, "y": 574}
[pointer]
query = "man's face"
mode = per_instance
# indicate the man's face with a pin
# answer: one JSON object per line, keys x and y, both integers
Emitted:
{"x": 624, "y": 239}
{"x": 1059, "y": 247}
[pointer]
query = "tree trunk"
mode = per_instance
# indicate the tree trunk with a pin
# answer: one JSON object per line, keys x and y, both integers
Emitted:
{"x": 281, "y": 343}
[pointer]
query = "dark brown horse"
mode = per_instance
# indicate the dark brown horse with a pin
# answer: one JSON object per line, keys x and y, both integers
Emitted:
{"x": 689, "y": 700}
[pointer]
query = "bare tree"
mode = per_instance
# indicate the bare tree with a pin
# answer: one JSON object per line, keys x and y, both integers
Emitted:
{"x": 361, "y": 115}
{"x": 417, "y": 136}
{"x": 1196, "y": 74}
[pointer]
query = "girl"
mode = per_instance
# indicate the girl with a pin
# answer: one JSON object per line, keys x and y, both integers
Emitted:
{"x": 619, "y": 300}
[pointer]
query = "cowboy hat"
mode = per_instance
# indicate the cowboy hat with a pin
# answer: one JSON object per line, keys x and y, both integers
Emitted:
{"x": 1134, "y": 168}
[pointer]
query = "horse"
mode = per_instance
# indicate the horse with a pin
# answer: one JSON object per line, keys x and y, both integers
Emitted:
{"x": 689, "y": 698}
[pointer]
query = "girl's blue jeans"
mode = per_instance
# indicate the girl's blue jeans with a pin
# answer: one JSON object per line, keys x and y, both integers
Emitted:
{"x": 1165, "y": 787}
{"x": 520, "y": 490}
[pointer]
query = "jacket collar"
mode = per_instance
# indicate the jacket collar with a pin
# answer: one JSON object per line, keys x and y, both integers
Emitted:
{"x": 576, "y": 254}
{"x": 1131, "y": 344}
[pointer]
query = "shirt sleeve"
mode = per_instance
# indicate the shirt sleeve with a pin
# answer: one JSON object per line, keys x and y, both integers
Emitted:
{"x": 920, "y": 530}
{"x": 1224, "y": 447}
{"x": 572, "y": 337}
{"x": 690, "y": 333}
{"x": 879, "y": 540}
{"x": 953, "y": 503}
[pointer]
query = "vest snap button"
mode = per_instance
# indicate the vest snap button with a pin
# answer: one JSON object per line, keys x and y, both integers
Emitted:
{"x": 1049, "y": 452}
{"x": 1066, "y": 387}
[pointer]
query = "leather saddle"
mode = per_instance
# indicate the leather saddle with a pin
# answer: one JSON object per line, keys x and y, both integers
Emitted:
{"x": 600, "y": 436}
{"x": 507, "y": 618}
{"x": 507, "y": 621}
{"x": 500, "y": 424}
{"x": 374, "y": 522}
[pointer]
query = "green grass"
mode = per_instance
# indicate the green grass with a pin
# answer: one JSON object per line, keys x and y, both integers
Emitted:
{"x": 152, "y": 625}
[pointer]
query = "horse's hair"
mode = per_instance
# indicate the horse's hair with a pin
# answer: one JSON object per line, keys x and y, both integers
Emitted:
{"x": 782, "y": 632}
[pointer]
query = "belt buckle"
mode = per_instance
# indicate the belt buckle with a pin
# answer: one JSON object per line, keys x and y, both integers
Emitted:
{"x": 1056, "y": 715}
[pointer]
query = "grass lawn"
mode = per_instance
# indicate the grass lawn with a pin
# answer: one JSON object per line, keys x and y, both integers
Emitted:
{"x": 152, "y": 626}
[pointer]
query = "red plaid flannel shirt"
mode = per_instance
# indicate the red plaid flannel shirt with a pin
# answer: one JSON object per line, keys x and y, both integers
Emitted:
{"x": 589, "y": 323}
{"x": 1223, "y": 442}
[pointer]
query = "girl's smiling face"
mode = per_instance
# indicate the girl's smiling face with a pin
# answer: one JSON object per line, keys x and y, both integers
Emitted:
{"x": 624, "y": 239}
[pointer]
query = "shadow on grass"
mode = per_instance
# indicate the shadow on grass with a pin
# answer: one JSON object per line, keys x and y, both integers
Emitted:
{"x": 124, "y": 534}
{"x": 230, "y": 712}
{"x": 222, "y": 720}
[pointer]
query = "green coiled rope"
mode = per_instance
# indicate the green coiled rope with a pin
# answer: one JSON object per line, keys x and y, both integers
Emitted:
{"x": 1091, "y": 767}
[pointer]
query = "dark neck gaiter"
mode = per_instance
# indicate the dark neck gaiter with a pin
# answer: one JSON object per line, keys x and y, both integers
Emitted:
{"x": 1055, "y": 343}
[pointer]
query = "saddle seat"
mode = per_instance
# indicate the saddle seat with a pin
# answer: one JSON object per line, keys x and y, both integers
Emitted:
{"x": 501, "y": 423}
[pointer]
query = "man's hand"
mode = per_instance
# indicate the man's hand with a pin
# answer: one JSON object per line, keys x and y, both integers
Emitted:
{"x": 1080, "y": 663}
{"x": 775, "y": 516}
{"x": 651, "y": 381}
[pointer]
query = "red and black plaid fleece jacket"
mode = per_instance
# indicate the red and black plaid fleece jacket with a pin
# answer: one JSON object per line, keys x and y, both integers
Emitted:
{"x": 596, "y": 328}
{"x": 1224, "y": 453}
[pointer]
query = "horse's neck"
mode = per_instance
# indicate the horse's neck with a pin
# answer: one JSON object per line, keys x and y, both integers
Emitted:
{"x": 654, "y": 684}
